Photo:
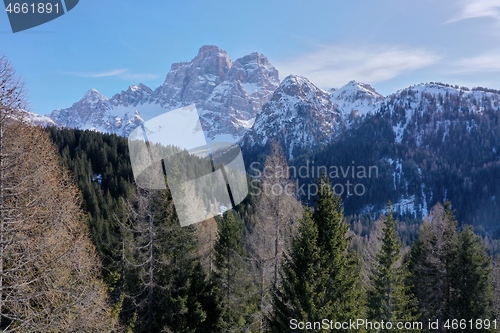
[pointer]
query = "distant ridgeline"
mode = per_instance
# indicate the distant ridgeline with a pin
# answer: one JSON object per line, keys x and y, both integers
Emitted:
{"x": 429, "y": 142}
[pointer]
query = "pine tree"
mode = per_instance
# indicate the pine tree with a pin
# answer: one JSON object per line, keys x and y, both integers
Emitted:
{"x": 300, "y": 296}
{"x": 342, "y": 266}
{"x": 319, "y": 276}
{"x": 389, "y": 297}
{"x": 472, "y": 280}
{"x": 432, "y": 260}
{"x": 232, "y": 271}
{"x": 165, "y": 287}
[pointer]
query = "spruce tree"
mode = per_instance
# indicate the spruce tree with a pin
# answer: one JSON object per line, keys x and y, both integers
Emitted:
{"x": 319, "y": 277}
{"x": 342, "y": 288}
{"x": 232, "y": 271}
{"x": 299, "y": 295}
{"x": 431, "y": 265}
{"x": 389, "y": 296}
{"x": 165, "y": 287}
{"x": 472, "y": 280}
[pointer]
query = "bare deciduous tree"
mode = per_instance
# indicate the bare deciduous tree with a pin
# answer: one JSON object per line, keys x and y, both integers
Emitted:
{"x": 277, "y": 211}
{"x": 49, "y": 271}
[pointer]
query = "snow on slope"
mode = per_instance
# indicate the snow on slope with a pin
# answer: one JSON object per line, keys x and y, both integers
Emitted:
{"x": 430, "y": 100}
{"x": 300, "y": 115}
{"x": 356, "y": 99}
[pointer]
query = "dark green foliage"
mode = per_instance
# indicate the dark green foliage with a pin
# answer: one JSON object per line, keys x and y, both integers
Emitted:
{"x": 300, "y": 296}
{"x": 100, "y": 164}
{"x": 472, "y": 279}
{"x": 164, "y": 288}
{"x": 164, "y": 283}
{"x": 319, "y": 276}
{"x": 233, "y": 273}
{"x": 445, "y": 151}
{"x": 451, "y": 271}
{"x": 341, "y": 266}
{"x": 389, "y": 296}
{"x": 149, "y": 260}
{"x": 432, "y": 260}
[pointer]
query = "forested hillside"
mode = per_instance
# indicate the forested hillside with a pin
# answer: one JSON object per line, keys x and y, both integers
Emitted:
{"x": 270, "y": 261}
{"x": 428, "y": 144}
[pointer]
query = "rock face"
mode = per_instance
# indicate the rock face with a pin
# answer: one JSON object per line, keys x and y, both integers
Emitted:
{"x": 227, "y": 94}
{"x": 299, "y": 115}
{"x": 92, "y": 108}
{"x": 193, "y": 82}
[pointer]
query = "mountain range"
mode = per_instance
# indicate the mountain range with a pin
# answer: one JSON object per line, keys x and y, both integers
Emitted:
{"x": 431, "y": 141}
{"x": 228, "y": 95}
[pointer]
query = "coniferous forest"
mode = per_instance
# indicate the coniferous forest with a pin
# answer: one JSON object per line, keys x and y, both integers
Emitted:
{"x": 83, "y": 249}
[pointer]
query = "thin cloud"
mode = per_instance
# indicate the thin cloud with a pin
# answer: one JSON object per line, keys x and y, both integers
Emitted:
{"x": 139, "y": 76}
{"x": 485, "y": 63}
{"x": 110, "y": 73}
{"x": 476, "y": 9}
{"x": 333, "y": 66}
{"x": 119, "y": 73}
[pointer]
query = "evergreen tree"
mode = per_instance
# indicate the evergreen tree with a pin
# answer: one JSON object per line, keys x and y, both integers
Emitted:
{"x": 165, "y": 287}
{"x": 431, "y": 266}
{"x": 232, "y": 271}
{"x": 319, "y": 276}
{"x": 389, "y": 297}
{"x": 472, "y": 280}
{"x": 300, "y": 296}
{"x": 342, "y": 291}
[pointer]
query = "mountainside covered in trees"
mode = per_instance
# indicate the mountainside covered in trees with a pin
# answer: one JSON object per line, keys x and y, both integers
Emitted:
{"x": 428, "y": 143}
{"x": 270, "y": 261}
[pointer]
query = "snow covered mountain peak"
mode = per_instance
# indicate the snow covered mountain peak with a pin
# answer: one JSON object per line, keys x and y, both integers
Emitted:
{"x": 299, "y": 115}
{"x": 356, "y": 99}
{"x": 89, "y": 110}
{"x": 357, "y": 87}
{"x": 412, "y": 109}
{"x": 92, "y": 96}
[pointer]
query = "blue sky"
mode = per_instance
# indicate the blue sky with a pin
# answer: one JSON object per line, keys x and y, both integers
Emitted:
{"x": 390, "y": 44}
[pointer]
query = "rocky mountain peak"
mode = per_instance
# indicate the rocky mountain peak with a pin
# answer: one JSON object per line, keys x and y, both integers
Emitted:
{"x": 356, "y": 90}
{"x": 133, "y": 96}
{"x": 92, "y": 107}
{"x": 194, "y": 81}
{"x": 254, "y": 68}
{"x": 299, "y": 115}
{"x": 356, "y": 99}
{"x": 92, "y": 95}
{"x": 228, "y": 96}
